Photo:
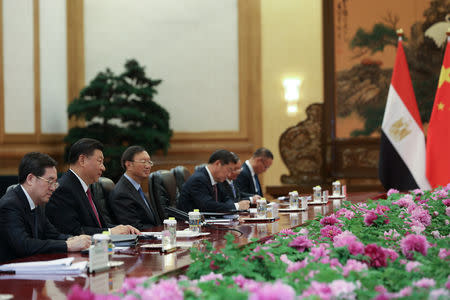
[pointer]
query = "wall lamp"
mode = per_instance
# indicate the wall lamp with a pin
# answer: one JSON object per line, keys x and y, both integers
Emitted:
{"x": 292, "y": 94}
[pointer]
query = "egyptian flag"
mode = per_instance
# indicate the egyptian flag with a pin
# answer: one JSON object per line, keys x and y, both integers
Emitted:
{"x": 402, "y": 145}
{"x": 438, "y": 135}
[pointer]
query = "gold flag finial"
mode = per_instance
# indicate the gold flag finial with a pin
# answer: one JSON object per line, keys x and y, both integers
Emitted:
{"x": 400, "y": 32}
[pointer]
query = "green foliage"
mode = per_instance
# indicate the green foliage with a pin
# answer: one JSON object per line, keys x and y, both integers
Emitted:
{"x": 376, "y": 40}
{"x": 120, "y": 111}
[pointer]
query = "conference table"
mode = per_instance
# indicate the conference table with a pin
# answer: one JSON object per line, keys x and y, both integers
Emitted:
{"x": 142, "y": 261}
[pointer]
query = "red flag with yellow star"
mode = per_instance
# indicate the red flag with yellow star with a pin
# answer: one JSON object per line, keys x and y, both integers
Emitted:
{"x": 438, "y": 136}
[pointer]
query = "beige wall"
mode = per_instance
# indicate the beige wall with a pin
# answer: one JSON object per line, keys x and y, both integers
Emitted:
{"x": 291, "y": 47}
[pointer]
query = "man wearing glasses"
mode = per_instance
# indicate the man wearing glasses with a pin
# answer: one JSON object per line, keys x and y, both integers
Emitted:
{"x": 71, "y": 208}
{"x": 248, "y": 181}
{"x": 230, "y": 187}
{"x": 24, "y": 228}
{"x": 201, "y": 191}
{"x": 128, "y": 202}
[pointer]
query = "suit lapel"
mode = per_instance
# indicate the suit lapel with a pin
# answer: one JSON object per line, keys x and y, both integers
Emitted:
{"x": 26, "y": 206}
{"x": 137, "y": 195}
{"x": 85, "y": 205}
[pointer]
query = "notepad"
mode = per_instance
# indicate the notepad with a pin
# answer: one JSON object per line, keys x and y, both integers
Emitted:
{"x": 64, "y": 266}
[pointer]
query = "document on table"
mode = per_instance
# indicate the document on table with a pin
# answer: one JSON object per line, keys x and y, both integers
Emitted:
{"x": 64, "y": 266}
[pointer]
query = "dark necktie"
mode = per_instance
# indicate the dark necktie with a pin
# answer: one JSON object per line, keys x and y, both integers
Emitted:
{"x": 257, "y": 185}
{"x": 91, "y": 202}
{"x": 215, "y": 192}
{"x": 141, "y": 192}
{"x": 35, "y": 221}
{"x": 233, "y": 189}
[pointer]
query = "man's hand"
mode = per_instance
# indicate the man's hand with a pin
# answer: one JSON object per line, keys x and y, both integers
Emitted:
{"x": 254, "y": 198}
{"x": 124, "y": 229}
{"x": 78, "y": 243}
{"x": 244, "y": 204}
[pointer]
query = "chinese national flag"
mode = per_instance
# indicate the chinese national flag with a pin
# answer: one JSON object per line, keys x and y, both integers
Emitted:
{"x": 438, "y": 136}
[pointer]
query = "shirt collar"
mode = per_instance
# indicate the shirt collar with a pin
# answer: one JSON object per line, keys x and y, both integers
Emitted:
{"x": 229, "y": 181}
{"x": 250, "y": 167}
{"x": 85, "y": 186}
{"x": 134, "y": 183}
{"x": 30, "y": 201}
{"x": 213, "y": 182}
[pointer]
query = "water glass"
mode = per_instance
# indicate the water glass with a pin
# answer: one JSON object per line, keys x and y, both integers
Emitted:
{"x": 261, "y": 208}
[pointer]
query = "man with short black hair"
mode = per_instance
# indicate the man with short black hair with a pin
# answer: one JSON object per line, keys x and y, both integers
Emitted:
{"x": 71, "y": 208}
{"x": 128, "y": 201}
{"x": 248, "y": 181}
{"x": 24, "y": 228}
{"x": 200, "y": 190}
{"x": 230, "y": 187}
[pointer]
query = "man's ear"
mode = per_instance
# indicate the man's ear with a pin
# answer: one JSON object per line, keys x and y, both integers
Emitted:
{"x": 127, "y": 164}
{"x": 29, "y": 179}
{"x": 82, "y": 159}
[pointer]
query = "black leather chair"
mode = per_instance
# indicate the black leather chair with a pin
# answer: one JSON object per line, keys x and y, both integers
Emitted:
{"x": 11, "y": 187}
{"x": 198, "y": 167}
{"x": 181, "y": 174}
{"x": 100, "y": 194}
{"x": 162, "y": 185}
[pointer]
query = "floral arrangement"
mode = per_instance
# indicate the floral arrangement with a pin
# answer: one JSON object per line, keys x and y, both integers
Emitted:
{"x": 396, "y": 248}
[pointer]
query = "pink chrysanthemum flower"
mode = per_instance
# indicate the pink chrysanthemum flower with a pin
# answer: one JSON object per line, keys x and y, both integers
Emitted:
{"x": 318, "y": 289}
{"x": 273, "y": 291}
{"x": 164, "y": 290}
{"x": 443, "y": 253}
{"x": 406, "y": 201}
{"x": 320, "y": 251}
{"x": 347, "y": 239}
{"x": 425, "y": 283}
{"x": 392, "y": 191}
{"x": 376, "y": 254}
{"x": 370, "y": 217}
{"x": 421, "y": 215}
{"x": 301, "y": 243}
{"x": 329, "y": 220}
{"x": 287, "y": 232}
{"x": 353, "y": 265}
{"x": 412, "y": 266}
{"x": 414, "y": 242}
{"x": 330, "y": 231}
{"x": 446, "y": 202}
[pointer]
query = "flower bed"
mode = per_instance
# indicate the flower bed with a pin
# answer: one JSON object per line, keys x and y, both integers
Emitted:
{"x": 385, "y": 249}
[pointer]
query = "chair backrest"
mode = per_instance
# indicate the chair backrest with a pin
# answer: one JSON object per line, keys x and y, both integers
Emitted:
{"x": 181, "y": 174}
{"x": 11, "y": 187}
{"x": 164, "y": 188}
{"x": 101, "y": 191}
{"x": 198, "y": 167}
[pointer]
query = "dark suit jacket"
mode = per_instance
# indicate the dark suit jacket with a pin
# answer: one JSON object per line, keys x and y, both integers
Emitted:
{"x": 129, "y": 207}
{"x": 16, "y": 229}
{"x": 228, "y": 190}
{"x": 245, "y": 181}
{"x": 69, "y": 208}
{"x": 197, "y": 192}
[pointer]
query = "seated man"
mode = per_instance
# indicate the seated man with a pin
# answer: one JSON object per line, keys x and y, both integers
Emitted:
{"x": 248, "y": 181}
{"x": 24, "y": 228}
{"x": 230, "y": 187}
{"x": 71, "y": 208}
{"x": 200, "y": 190}
{"x": 128, "y": 202}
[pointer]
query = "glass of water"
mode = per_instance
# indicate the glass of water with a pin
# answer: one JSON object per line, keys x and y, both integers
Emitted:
{"x": 261, "y": 208}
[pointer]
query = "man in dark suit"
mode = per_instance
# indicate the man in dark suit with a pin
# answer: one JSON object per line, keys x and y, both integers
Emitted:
{"x": 128, "y": 201}
{"x": 248, "y": 181}
{"x": 200, "y": 190}
{"x": 230, "y": 188}
{"x": 71, "y": 208}
{"x": 24, "y": 228}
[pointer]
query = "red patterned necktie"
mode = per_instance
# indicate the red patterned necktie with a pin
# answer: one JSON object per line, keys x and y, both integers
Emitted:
{"x": 215, "y": 192}
{"x": 88, "y": 192}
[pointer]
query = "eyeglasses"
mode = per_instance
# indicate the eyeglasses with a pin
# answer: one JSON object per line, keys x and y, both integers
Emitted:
{"x": 145, "y": 162}
{"x": 51, "y": 183}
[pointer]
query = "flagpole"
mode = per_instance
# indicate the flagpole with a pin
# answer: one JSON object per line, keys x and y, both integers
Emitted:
{"x": 400, "y": 34}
